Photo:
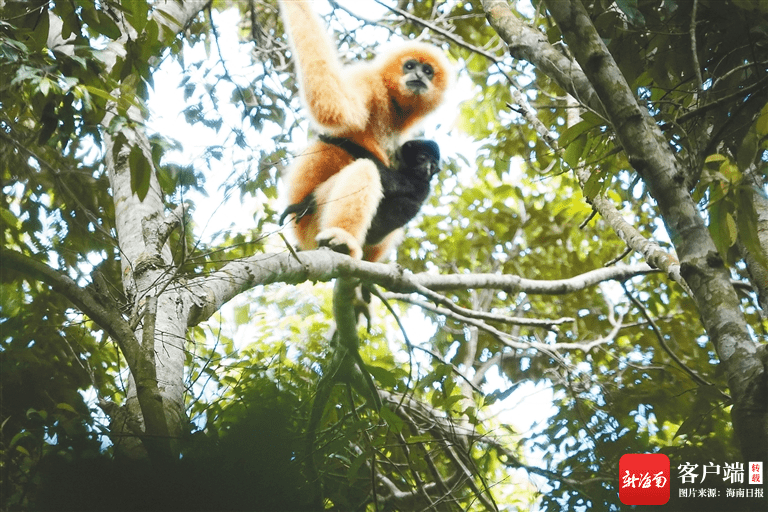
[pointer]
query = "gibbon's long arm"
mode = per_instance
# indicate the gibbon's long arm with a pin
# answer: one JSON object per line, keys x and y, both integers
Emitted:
{"x": 328, "y": 92}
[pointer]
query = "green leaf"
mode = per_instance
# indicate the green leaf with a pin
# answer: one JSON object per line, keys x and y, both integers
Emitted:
{"x": 574, "y": 151}
{"x": 18, "y": 437}
{"x": 34, "y": 412}
{"x": 747, "y": 151}
{"x": 100, "y": 93}
{"x": 393, "y": 420}
{"x": 140, "y": 172}
{"x": 9, "y": 218}
{"x": 118, "y": 142}
{"x": 452, "y": 400}
{"x": 354, "y": 468}
{"x": 137, "y": 14}
{"x": 761, "y": 125}
{"x": 45, "y": 86}
{"x": 101, "y": 22}
{"x": 722, "y": 227}
{"x": 747, "y": 222}
{"x": 629, "y": 7}
{"x": 66, "y": 407}
{"x": 715, "y": 158}
{"x": 385, "y": 377}
{"x": 574, "y": 132}
{"x": 730, "y": 171}
{"x": 40, "y": 34}
{"x": 421, "y": 438}
{"x": 593, "y": 185}
{"x": 242, "y": 314}
{"x": 69, "y": 19}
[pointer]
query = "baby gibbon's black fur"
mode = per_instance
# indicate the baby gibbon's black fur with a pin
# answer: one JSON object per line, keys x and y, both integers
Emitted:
{"x": 405, "y": 187}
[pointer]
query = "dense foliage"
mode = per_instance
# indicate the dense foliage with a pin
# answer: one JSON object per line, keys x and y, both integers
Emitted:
{"x": 628, "y": 361}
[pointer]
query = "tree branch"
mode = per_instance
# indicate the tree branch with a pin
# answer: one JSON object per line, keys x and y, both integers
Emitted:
{"x": 694, "y": 48}
{"x": 140, "y": 359}
{"x": 102, "y": 313}
{"x": 158, "y": 228}
{"x": 512, "y": 284}
{"x": 207, "y": 294}
{"x": 453, "y": 367}
{"x": 546, "y": 323}
{"x": 514, "y": 342}
{"x": 528, "y": 44}
{"x": 446, "y": 34}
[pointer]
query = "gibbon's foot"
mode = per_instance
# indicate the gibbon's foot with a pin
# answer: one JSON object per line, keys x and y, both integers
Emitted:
{"x": 341, "y": 241}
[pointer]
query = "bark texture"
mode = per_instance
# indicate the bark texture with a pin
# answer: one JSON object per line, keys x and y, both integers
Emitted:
{"x": 651, "y": 157}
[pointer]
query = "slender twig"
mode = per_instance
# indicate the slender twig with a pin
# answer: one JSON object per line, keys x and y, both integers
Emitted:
{"x": 453, "y": 367}
{"x": 60, "y": 179}
{"x": 732, "y": 97}
{"x": 290, "y": 247}
{"x": 625, "y": 252}
{"x": 694, "y": 51}
{"x": 480, "y": 315}
{"x": 660, "y": 336}
{"x": 448, "y": 35}
{"x": 374, "y": 290}
{"x": 414, "y": 472}
{"x": 227, "y": 75}
{"x": 507, "y": 339}
{"x": 591, "y": 216}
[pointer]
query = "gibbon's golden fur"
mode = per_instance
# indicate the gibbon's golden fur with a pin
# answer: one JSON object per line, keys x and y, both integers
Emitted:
{"x": 372, "y": 104}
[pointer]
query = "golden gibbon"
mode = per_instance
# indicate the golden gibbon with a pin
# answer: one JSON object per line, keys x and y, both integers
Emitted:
{"x": 362, "y": 112}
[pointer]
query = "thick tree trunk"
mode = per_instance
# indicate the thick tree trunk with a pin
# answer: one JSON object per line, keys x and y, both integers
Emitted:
{"x": 148, "y": 275}
{"x": 653, "y": 160}
{"x": 702, "y": 268}
{"x": 147, "y": 272}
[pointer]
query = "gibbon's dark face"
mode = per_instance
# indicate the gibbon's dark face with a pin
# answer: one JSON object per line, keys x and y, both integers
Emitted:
{"x": 418, "y": 75}
{"x": 420, "y": 158}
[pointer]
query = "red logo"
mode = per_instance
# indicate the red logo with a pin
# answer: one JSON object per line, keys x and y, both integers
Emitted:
{"x": 644, "y": 479}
